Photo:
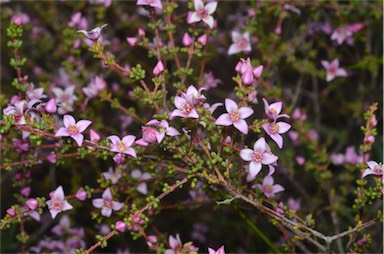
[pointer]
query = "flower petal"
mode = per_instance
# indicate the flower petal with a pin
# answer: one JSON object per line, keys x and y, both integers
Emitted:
{"x": 278, "y": 139}
{"x": 66, "y": 206}
{"x": 117, "y": 205}
{"x": 211, "y": 7}
{"x": 106, "y": 212}
{"x": 142, "y": 188}
{"x": 83, "y": 124}
{"x": 233, "y": 49}
{"x": 269, "y": 158}
{"x": 59, "y": 193}
{"x": 260, "y": 145}
{"x": 107, "y": 194}
{"x": 78, "y": 138}
{"x": 277, "y": 188}
{"x": 128, "y": 140}
{"x": 209, "y": 21}
{"x": 245, "y": 112}
{"x": 246, "y": 154}
{"x": 179, "y": 102}
{"x": 54, "y": 213}
{"x": 283, "y": 127}
{"x": 130, "y": 151}
{"x": 194, "y": 18}
{"x": 62, "y": 132}
{"x": 224, "y": 119}
{"x": 242, "y": 126}
{"x": 254, "y": 168}
{"x": 69, "y": 120}
{"x": 98, "y": 202}
{"x": 230, "y": 105}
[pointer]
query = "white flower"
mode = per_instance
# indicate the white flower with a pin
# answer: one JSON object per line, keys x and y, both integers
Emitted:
{"x": 203, "y": 12}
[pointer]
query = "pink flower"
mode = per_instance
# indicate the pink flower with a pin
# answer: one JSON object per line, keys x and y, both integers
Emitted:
{"x": 272, "y": 111}
{"x": 202, "y": 39}
{"x": 51, "y": 106}
{"x": 187, "y": 40}
{"x": 94, "y": 136}
{"x": 175, "y": 244}
{"x": 132, "y": 41}
{"x": 106, "y": 204}
{"x": 203, "y": 12}
{"x": 235, "y": 116}
{"x": 374, "y": 169}
{"x": 241, "y": 43}
{"x": 269, "y": 188}
{"x": 113, "y": 176}
{"x": 333, "y": 70}
{"x": 94, "y": 34}
{"x": 345, "y": 33}
{"x": 185, "y": 107}
{"x": 35, "y": 94}
{"x": 96, "y": 85}
{"x": 248, "y": 73}
{"x": 152, "y": 3}
{"x": 65, "y": 96}
{"x": 275, "y": 129}
{"x": 73, "y": 129}
{"x": 163, "y": 129}
{"x": 337, "y": 158}
{"x": 58, "y": 203}
{"x": 218, "y": 251}
{"x": 78, "y": 21}
{"x": 142, "y": 177}
{"x": 159, "y": 68}
{"x": 124, "y": 145}
{"x": 258, "y": 156}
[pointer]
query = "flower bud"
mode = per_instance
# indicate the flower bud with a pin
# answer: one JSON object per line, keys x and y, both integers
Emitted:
{"x": 159, "y": 68}
{"x": 11, "y": 211}
{"x": 81, "y": 195}
{"x": 257, "y": 71}
{"x": 202, "y": 39}
{"x": 51, "y": 106}
{"x": 131, "y": 41}
{"x": 94, "y": 136}
{"x": 52, "y": 158}
{"x": 32, "y": 203}
{"x": 120, "y": 226}
{"x": 187, "y": 40}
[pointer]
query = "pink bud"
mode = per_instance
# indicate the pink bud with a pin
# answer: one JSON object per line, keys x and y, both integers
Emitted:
{"x": 136, "y": 219}
{"x": 251, "y": 96}
{"x": 300, "y": 160}
{"x": 247, "y": 77}
{"x": 135, "y": 228}
{"x": 14, "y": 99}
{"x": 26, "y": 191}
{"x": 94, "y": 136}
{"x": 257, "y": 71}
{"x": 17, "y": 21}
{"x": 370, "y": 139}
{"x": 238, "y": 66}
{"x": 32, "y": 203}
{"x": 119, "y": 158}
{"x": 374, "y": 121}
{"x": 51, "y": 106}
{"x": 152, "y": 239}
{"x": 11, "y": 211}
{"x": 52, "y": 158}
{"x": 228, "y": 140}
{"x": 187, "y": 40}
{"x": 120, "y": 226}
{"x": 202, "y": 39}
{"x": 131, "y": 41}
{"x": 141, "y": 32}
{"x": 81, "y": 194}
{"x": 159, "y": 68}
{"x": 278, "y": 30}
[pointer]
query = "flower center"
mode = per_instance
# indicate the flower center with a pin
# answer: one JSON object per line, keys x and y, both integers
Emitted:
{"x": 57, "y": 204}
{"x": 234, "y": 115}
{"x": 149, "y": 1}
{"x": 267, "y": 188}
{"x": 257, "y": 156}
{"x": 273, "y": 128}
{"x": 187, "y": 108}
{"x": 273, "y": 111}
{"x": 242, "y": 43}
{"x": 17, "y": 117}
{"x": 378, "y": 169}
{"x": 121, "y": 146}
{"x": 65, "y": 97}
{"x": 73, "y": 130}
{"x": 332, "y": 70}
{"x": 107, "y": 203}
{"x": 202, "y": 13}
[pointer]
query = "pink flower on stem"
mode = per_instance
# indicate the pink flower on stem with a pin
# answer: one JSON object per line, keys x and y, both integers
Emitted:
{"x": 122, "y": 145}
{"x": 106, "y": 204}
{"x": 269, "y": 188}
{"x": 241, "y": 43}
{"x": 187, "y": 40}
{"x": 51, "y": 106}
{"x": 203, "y": 12}
{"x": 235, "y": 116}
{"x": 32, "y": 203}
{"x": 248, "y": 73}
{"x": 374, "y": 169}
{"x": 175, "y": 244}
{"x": 120, "y": 226}
{"x": 185, "y": 107}
{"x": 163, "y": 129}
{"x": 152, "y": 3}
{"x": 94, "y": 34}
{"x": 258, "y": 157}
{"x": 81, "y": 194}
{"x": 218, "y": 251}
{"x": 272, "y": 111}
{"x": 333, "y": 70}
{"x": 275, "y": 129}
{"x": 202, "y": 39}
{"x": 58, "y": 203}
{"x": 159, "y": 68}
{"x": 73, "y": 129}
{"x": 65, "y": 96}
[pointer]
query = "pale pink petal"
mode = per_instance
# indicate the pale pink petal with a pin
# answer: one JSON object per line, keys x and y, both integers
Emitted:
{"x": 177, "y": 112}
{"x": 209, "y": 21}
{"x": 62, "y": 132}
{"x": 368, "y": 172}
{"x": 268, "y": 180}
{"x": 283, "y": 127}
{"x": 211, "y": 251}
{"x": 154, "y": 122}
{"x": 341, "y": 73}
{"x": 142, "y": 2}
{"x": 258, "y": 70}
{"x": 277, "y": 106}
{"x": 160, "y": 136}
{"x": 233, "y": 49}
{"x": 141, "y": 142}
{"x": 69, "y": 120}
{"x": 198, "y": 4}
{"x": 194, "y": 18}
{"x": 179, "y": 101}
{"x": 54, "y": 213}
{"x": 193, "y": 114}
{"x": 128, "y": 140}
{"x": 325, "y": 64}
{"x": 372, "y": 164}
{"x": 271, "y": 170}
{"x": 254, "y": 168}
{"x": 278, "y": 139}
{"x": 260, "y": 145}
{"x": 136, "y": 173}
{"x": 130, "y": 151}
{"x": 83, "y": 124}
{"x": 106, "y": 212}
{"x": 242, "y": 126}
{"x": 66, "y": 206}
{"x": 157, "y": 4}
{"x": 245, "y": 112}
{"x": 211, "y": 7}
{"x": 107, "y": 194}
{"x": 235, "y": 36}
{"x": 277, "y": 188}
{"x": 224, "y": 119}
{"x": 329, "y": 77}
{"x": 230, "y": 105}
{"x": 269, "y": 158}
{"x": 78, "y": 138}
{"x": 192, "y": 90}
{"x": 59, "y": 193}
{"x": 142, "y": 188}
{"x": 246, "y": 154}
{"x": 266, "y": 128}
{"x": 117, "y": 205}
{"x": 172, "y": 131}
{"x": 335, "y": 63}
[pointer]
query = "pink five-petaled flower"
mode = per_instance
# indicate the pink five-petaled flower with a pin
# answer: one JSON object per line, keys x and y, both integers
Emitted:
{"x": 272, "y": 111}
{"x": 203, "y": 12}
{"x": 57, "y": 203}
{"x": 275, "y": 129}
{"x": 218, "y": 251}
{"x": 185, "y": 107}
{"x": 152, "y": 3}
{"x": 94, "y": 34}
{"x": 374, "y": 169}
{"x": 333, "y": 70}
{"x": 235, "y": 116}
{"x": 175, "y": 244}
{"x": 163, "y": 129}
{"x": 241, "y": 43}
{"x": 269, "y": 188}
{"x": 106, "y": 204}
{"x": 258, "y": 156}
{"x": 73, "y": 129}
{"x": 248, "y": 73}
{"x": 123, "y": 145}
